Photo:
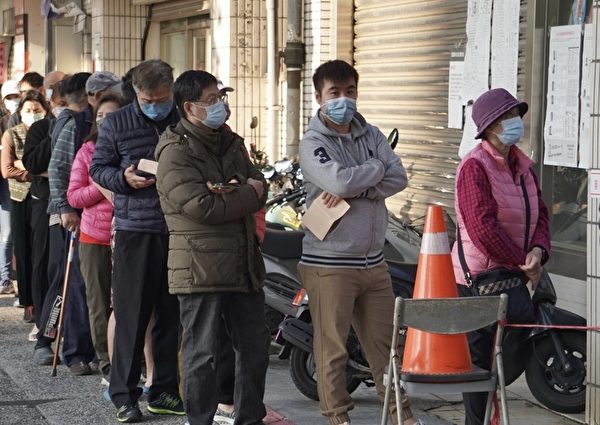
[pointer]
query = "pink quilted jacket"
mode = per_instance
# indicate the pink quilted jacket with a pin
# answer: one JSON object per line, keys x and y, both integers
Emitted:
{"x": 82, "y": 194}
{"x": 507, "y": 192}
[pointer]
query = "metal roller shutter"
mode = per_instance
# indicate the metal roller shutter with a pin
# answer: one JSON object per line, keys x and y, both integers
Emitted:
{"x": 402, "y": 49}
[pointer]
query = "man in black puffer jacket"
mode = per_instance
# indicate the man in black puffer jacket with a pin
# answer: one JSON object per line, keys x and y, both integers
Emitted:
{"x": 139, "y": 279}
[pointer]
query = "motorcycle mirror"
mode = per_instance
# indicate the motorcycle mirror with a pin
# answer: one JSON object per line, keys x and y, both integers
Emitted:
{"x": 268, "y": 171}
{"x": 393, "y": 138}
{"x": 283, "y": 166}
{"x": 253, "y": 123}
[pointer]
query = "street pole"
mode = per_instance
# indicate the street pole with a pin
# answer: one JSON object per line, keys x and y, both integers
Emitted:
{"x": 293, "y": 59}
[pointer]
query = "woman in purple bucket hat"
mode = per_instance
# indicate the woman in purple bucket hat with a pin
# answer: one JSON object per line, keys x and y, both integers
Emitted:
{"x": 502, "y": 222}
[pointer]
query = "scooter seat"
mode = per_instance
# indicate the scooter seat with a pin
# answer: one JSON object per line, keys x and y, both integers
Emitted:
{"x": 283, "y": 243}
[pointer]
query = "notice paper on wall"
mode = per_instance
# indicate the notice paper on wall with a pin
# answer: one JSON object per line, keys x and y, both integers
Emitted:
{"x": 505, "y": 45}
{"x": 468, "y": 140}
{"x": 455, "y": 87}
{"x": 477, "y": 54}
{"x": 319, "y": 219}
{"x": 561, "y": 128}
{"x": 585, "y": 122}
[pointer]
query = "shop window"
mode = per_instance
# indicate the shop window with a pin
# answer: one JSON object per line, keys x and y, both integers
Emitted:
{"x": 564, "y": 187}
{"x": 185, "y": 43}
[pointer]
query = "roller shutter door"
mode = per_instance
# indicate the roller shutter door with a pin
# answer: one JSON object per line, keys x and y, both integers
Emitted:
{"x": 402, "y": 49}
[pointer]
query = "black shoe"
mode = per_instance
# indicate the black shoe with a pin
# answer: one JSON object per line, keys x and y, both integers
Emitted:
{"x": 43, "y": 356}
{"x": 80, "y": 369}
{"x": 166, "y": 404}
{"x": 129, "y": 413}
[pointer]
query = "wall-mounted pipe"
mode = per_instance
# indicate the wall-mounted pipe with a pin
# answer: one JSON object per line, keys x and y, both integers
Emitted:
{"x": 272, "y": 83}
{"x": 293, "y": 59}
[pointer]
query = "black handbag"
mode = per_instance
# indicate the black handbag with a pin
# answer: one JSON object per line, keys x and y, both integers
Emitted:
{"x": 499, "y": 279}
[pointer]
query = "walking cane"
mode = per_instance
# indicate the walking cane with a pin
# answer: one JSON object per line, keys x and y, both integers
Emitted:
{"x": 63, "y": 304}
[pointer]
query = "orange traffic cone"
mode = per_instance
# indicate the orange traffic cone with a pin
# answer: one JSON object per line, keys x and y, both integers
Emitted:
{"x": 428, "y": 353}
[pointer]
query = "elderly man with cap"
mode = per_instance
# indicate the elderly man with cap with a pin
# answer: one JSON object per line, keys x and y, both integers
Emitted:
{"x": 10, "y": 97}
{"x": 99, "y": 83}
{"x": 502, "y": 221}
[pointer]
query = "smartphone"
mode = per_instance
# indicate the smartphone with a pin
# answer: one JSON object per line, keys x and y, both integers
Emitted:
{"x": 225, "y": 186}
{"x": 144, "y": 174}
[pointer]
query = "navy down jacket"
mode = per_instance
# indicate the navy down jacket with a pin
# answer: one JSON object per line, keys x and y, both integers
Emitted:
{"x": 126, "y": 136}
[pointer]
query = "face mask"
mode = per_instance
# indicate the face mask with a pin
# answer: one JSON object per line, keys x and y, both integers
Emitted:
{"x": 157, "y": 111}
{"x": 28, "y": 118}
{"x": 340, "y": 110}
{"x": 215, "y": 115}
{"x": 99, "y": 121}
{"x": 49, "y": 94}
{"x": 58, "y": 110}
{"x": 512, "y": 131}
{"x": 11, "y": 105}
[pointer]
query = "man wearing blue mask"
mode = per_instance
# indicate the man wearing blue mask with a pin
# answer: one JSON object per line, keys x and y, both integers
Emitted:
{"x": 139, "y": 279}
{"x": 209, "y": 191}
{"x": 345, "y": 158}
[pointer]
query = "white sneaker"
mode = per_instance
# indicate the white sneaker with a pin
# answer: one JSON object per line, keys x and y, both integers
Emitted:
{"x": 223, "y": 418}
{"x": 32, "y": 337}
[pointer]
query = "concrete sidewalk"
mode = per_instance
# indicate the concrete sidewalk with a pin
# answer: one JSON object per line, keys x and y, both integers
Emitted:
{"x": 29, "y": 396}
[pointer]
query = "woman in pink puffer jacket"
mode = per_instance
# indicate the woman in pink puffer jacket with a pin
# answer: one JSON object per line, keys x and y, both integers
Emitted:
{"x": 95, "y": 233}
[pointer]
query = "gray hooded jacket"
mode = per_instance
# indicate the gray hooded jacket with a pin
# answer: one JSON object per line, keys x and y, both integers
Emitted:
{"x": 361, "y": 168}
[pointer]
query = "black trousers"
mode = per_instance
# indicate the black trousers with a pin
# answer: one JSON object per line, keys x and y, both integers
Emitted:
{"x": 520, "y": 310}
{"x": 39, "y": 256}
{"x": 225, "y": 367}
{"x": 139, "y": 284}
{"x": 20, "y": 221}
{"x": 77, "y": 342}
{"x": 202, "y": 316}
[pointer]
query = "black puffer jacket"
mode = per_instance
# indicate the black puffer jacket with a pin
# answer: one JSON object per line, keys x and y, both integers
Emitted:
{"x": 213, "y": 244}
{"x": 126, "y": 136}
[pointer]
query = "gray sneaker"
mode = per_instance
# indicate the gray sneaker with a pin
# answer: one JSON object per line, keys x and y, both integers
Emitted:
{"x": 43, "y": 356}
{"x": 223, "y": 418}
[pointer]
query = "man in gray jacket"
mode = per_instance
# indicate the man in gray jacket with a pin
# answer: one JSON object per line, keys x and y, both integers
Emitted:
{"x": 347, "y": 280}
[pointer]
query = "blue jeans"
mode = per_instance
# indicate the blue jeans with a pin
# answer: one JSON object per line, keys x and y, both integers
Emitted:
{"x": 6, "y": 245}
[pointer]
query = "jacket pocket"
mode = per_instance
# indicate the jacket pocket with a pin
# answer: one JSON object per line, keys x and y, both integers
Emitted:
{"x": 216, "y": 261}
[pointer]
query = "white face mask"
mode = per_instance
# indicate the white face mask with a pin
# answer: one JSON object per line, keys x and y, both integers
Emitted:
{"x": 11, "y": 105}
{"x": 57, "y": 111}
{"x": 28, "y": 118}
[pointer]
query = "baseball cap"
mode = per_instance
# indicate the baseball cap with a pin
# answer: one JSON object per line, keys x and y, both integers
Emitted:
{"x": 10, "y": 87}
{"x": 491, "y": 105}
{"x": 103, "y": 80}
{"x": 223, "y": 87}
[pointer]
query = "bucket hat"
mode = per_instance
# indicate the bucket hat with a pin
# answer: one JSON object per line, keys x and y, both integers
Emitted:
{"x": 491, "y": 105}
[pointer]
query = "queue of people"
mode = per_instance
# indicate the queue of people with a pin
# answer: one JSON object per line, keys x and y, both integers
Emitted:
{"x": 167, "y": 266}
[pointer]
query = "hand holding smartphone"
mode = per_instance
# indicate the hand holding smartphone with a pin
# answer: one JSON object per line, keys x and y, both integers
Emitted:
{"x": 220, "y": 187}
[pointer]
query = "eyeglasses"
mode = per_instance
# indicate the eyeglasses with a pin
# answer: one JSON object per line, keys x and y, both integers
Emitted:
{"x": 206, "y": 103}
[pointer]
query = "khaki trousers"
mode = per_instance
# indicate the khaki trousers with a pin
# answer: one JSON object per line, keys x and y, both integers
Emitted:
{"x": 339, "y": 298}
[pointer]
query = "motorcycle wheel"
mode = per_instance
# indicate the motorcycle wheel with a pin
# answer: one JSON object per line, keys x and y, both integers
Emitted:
{"x": 549, "y": 383}
{"x": 304, "y": 374}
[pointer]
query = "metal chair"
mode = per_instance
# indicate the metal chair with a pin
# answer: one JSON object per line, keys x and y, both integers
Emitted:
{"x": 448, "y": 316}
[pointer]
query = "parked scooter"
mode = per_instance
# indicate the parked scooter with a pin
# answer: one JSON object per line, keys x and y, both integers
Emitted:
{"x": 554, "y": 360}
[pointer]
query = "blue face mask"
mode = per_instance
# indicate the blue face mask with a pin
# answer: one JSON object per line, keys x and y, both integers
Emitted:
{"x": 340, "y": 110}
{"x": 512, "y": 131}
{"x": 157, "y": 111}
{"x": 215, "y": 115}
